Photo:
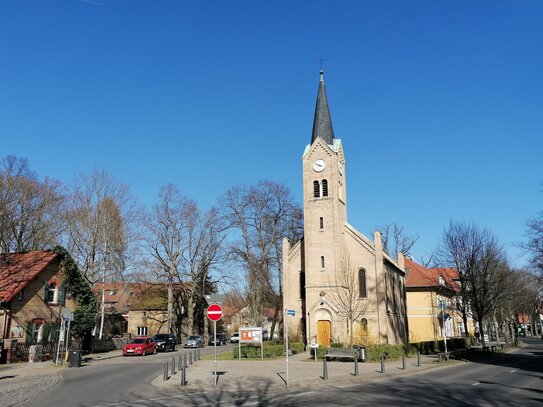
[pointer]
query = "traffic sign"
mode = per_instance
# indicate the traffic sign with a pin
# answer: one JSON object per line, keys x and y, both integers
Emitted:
{"x": 214, "y": 312}
{"x": 291, "y": 312}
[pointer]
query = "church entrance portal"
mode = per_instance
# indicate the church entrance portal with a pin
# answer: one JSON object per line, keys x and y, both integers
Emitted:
{"x": 323, "y": 333}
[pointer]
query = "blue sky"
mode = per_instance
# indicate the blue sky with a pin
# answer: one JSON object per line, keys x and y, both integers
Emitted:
{"x": 438, "y": 103}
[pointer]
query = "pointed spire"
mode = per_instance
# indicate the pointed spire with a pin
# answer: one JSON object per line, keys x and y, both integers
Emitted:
{"x": 322, "y": 123}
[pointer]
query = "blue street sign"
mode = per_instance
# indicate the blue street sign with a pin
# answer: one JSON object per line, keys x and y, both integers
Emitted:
{"x": 291, "y": 312}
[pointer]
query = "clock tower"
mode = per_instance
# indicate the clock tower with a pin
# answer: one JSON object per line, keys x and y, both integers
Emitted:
{"x": 332, "y": 249}
{"x": 325, "y": 203}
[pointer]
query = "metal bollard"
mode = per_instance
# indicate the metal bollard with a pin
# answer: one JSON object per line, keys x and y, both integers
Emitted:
{"x": 183, "y": 376}
{"x": 324, "y": 369}
{"x": 418, "y": 358}
{"x": 356, "y": 366}
{"x": 185, "y": 360}
{"x": 179, "y": 361}
{"x": 198, "y": 354}
{"x": 382, "y": 363}
{"x": 173, "y": 366}
{"x": 165, "y": 371}
{"x": 190, "y": 358}
{"x": 403, "y": 362}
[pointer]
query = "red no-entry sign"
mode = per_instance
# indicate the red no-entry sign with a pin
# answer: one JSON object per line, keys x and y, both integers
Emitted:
{"x": 214, "y": 312}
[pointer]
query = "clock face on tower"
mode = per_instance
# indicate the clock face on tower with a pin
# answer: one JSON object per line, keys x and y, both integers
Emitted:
{"x": 319, "y": 165}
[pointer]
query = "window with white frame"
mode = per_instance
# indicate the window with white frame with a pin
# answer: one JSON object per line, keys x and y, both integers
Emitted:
{"x": 51, "y": 293}
{"x": 142, "y": 330}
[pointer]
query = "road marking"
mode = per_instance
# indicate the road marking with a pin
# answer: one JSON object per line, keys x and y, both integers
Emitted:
{"x": 475, "y": 384}
{"x": 513, "y": 371}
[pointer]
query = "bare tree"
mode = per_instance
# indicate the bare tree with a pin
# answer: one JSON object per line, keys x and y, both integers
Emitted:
{"x": 345, "y": 294}
{"x": 395, "y": 240}
{"x": 262, "y": 215}
{"x": 535, "y": 242}
{"x": 100, "y": 221}
{"x": 29, "y": 208}
{"x": 482, "y": 269}
{"x": 184, "y": 244}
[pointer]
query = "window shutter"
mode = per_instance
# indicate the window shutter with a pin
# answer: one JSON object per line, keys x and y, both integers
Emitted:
{"x": 61, "y": 294}
{"x": 316, "y": 189}
{"x": 45, "y": 291}
{"x": 29, "y": 330}
{"x": 324, "y": 187}
{"x": 46, "y": 332}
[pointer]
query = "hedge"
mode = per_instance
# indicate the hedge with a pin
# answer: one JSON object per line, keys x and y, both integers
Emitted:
{"x": 272, "y": 349}
{"x": 373, "y": 353}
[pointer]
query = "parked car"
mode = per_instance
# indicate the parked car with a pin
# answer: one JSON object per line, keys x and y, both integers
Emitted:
{"x": 194, "y": 341}
{"x": 234, "y": 338}
{"x": 221, "y": 340}
{"x": 142, "y": 345}
{"x": 165, "y": 342}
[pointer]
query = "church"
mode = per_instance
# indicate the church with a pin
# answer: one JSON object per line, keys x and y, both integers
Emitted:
{"x": 341, "y": 286}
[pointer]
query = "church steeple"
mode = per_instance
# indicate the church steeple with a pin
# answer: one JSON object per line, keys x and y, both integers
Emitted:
{"x": 322, "y": 123}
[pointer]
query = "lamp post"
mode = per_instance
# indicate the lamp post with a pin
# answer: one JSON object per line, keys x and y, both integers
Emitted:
{"x": 443, "y": 305}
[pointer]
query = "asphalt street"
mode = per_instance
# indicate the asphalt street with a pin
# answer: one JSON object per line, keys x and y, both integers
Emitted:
{"x": 514, "y": 378}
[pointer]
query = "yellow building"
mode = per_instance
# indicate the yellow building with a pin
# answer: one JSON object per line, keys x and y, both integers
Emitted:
{"x": 432, "y": 294}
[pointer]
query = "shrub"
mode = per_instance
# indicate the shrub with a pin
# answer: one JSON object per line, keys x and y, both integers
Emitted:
{"x": 439, "y": 346}
{"x": 271, "y": 350}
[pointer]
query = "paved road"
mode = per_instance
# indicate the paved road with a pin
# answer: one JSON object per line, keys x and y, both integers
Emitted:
{"x": 503, "y": 380}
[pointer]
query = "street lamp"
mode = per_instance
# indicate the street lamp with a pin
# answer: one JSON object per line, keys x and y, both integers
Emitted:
{"x": 443, "y": 304}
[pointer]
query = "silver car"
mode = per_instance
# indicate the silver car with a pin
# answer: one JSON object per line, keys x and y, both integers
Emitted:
{"x": 194, "y": 341}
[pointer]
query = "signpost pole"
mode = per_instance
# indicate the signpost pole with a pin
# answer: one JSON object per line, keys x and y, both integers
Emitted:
{"x": 286, "y": 339}
{"x": 215, "y": 347}
{"x": 214, "y": 313}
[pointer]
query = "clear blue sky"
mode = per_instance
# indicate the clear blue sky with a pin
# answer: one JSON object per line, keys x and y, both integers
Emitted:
{"x": 439, "y": 104}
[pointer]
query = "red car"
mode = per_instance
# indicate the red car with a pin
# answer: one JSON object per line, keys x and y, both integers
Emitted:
{"x": 142, "y": 345}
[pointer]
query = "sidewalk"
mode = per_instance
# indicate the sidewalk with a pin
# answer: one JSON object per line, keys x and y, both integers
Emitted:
{"x": 22, "y": 381}
{"x": 302, "y": 372}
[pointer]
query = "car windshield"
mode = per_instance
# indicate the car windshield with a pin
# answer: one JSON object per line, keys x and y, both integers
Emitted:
{"x": 138, "y": 340}
{"x": 161, "y": 336}
{"x": 194, "y": 338}
{"x": 236, "y": 334}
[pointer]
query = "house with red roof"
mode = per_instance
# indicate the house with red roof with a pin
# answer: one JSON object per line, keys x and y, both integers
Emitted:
{"x": 140, "y": 308}
{"x": 32, "y": 296}
{"x": 432, "y": 295}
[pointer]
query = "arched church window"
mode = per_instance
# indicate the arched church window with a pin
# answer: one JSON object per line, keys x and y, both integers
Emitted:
{"x": 322, "y": 262}
{"x": 316, "y": 189}
{"x": 324, "y": 187}
{"x": 321, "y": 222}
{"x": 362, "y": 283}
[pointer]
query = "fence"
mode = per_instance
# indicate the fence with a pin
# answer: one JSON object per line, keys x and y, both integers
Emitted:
{"x": 22, "y": 350}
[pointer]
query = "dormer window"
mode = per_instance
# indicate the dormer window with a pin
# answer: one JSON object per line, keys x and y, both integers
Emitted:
{"x": 441, "y": 280}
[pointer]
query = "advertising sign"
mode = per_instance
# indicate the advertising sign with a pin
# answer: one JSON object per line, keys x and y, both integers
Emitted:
{"x": 250, "y": 335}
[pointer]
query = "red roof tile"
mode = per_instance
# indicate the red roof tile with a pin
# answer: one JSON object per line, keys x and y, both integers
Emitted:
{"x": 18, "y": 269}
{"x": 420, "y": 276}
